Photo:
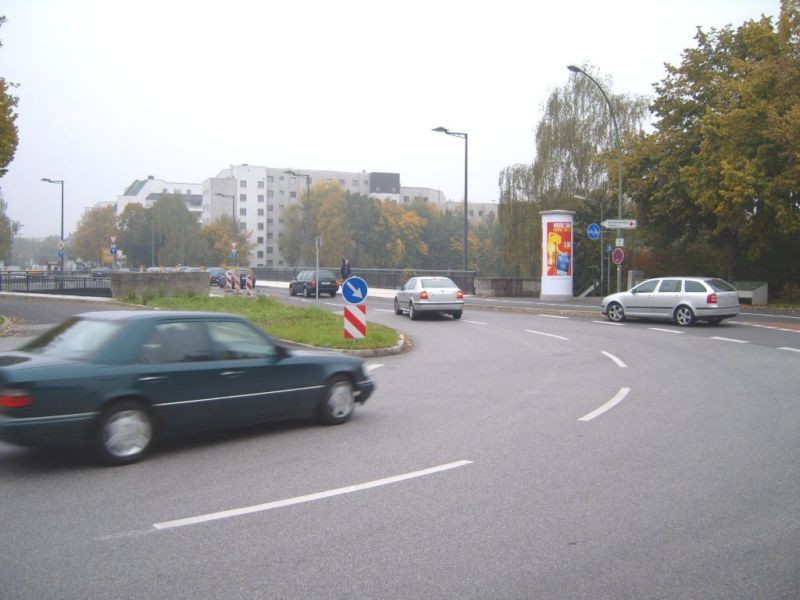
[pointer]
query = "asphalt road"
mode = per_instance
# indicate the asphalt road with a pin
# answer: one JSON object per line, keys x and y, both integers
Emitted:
{"x": 509, "y": 455}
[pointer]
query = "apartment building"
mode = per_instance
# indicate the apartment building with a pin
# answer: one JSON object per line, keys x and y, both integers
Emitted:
{"x": 148, "y": 191}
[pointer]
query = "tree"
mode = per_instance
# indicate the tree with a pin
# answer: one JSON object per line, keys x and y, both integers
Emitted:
{"x": 218, "y": 237}
{"x": 92, "y": 237}
{"x": 576, "y": 152}
{"x": 716, "y": 184}
{"x": 137, "y": 235}
{"x": 9, "y": 135}
{"x": 8, "y": 229}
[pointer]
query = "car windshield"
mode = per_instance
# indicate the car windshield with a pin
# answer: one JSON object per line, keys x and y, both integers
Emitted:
{"x": 75, "y": 338}
{"x": 720, "y": 285}
{"x": 441, "y": 282}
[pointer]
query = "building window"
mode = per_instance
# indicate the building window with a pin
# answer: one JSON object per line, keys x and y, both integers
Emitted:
{"x": 260, "y": 212}
{"x": 261, "y": 227}
{"x": 269, "y": 249}
{"x": 270, "y": 178}
{"x": 242, "y": 212}
{"x": 269, "y": 221}
{"x": 242, "y": 226}
{"x": 280, "y": 177}
{"x": 405, "y": 198}
{"x": 242, "y": 183}
{"x": 270, "y": 207}
{"x": 260, "y": 239}
{"x": 270, "y": 193}
{"x": 260, "y": 254}
{"x": 261, "y": 184}
{"x": 292, "y": 195}
{"x": 269, "y": 236}
{"x": 242, "y": 197}
{"x": 261, "y": 197}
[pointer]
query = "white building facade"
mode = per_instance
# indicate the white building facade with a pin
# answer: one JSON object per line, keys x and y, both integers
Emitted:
{"x": 149, "y": 191}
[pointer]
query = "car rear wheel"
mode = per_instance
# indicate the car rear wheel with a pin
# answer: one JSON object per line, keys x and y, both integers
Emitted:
{"x": 615, "y": 313}
{"x": 333, "y": 294}
{"x": 457, "y": 314}
{"x": 306, "y": 292}
{"x": 397, "y": 309}
{"x": 124, "y": 433}
{"x": 291, "y": 291}
{"x": 683, "y": 316}
{"x": 412, "y": 313}
{"x": 339, "y": 401}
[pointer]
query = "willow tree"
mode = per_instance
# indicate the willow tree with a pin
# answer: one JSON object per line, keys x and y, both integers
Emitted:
{"x": 575, "y": 153}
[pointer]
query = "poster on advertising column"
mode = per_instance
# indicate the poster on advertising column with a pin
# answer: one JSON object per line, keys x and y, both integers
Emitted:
{"x": 559, "y": 248}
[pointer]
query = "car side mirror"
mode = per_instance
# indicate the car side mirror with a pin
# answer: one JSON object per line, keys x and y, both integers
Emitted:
{"x": 283, "y": 352}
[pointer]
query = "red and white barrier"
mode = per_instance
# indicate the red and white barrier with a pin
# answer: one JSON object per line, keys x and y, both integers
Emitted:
{"x": 251, "y": 280}
{"x": 355, "y": 321}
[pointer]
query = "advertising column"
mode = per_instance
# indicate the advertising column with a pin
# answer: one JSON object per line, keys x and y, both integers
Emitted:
{"x": 558, "y": 259}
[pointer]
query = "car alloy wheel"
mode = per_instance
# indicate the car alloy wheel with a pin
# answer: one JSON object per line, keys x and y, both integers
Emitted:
{"x": 339, "y": 401}
{"x": 412, "y": 313}
{"x": 124, "y": 434}
{"x": 457, "y": 314}
{"x": 684, "y": 316}
{"x": 397, "y": 309}
{"x": 615, "y": 313}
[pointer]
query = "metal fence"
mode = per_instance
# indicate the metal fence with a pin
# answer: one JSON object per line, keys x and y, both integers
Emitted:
{"x": 69, "y": 283}
{"x": 379, "y": 278}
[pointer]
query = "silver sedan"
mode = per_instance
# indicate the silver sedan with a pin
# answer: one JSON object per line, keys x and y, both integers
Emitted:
{"x": 429, "y": 294}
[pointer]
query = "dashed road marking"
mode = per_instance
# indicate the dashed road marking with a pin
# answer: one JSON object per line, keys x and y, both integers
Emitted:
{"x": 619, "y": 397}
{"x": 475, "y": 322}
{"x": 789, "y": 349}
{"x": 724, "y": 339}
{"x": 552, "y": 335}
{"x": 665, "y": 330}
{"x": 616, "y": 360}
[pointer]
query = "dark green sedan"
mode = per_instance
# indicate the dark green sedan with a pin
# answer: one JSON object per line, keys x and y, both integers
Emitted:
{"x": 118, "y": 380}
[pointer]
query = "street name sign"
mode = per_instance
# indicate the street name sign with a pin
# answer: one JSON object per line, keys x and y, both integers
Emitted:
{"x": 619, "y": 223}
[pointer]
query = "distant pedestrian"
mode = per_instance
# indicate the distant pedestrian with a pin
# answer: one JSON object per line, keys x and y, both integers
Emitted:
{"x": 345, "y": 270}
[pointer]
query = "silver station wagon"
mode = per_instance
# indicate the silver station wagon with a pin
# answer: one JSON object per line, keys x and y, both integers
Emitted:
{"x": 683, "y": 300}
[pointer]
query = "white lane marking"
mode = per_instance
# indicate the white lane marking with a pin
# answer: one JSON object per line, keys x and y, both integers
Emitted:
{"x": 619, "y": 397}
{"x": 724, "y": 339}
{"x": 665, "y": 330}
{"x": 236, "y": 512}
{"x": 553, "y": 316}
{"x": 558, "y": 337}
{"x": 609, "y": 323}
{"x": 372, "y": 367}
{"x": 391, "y": 310}
{"x": 789, "y": 349}
{"x": 616, "y": 360}
{"x": 475, "y": 322}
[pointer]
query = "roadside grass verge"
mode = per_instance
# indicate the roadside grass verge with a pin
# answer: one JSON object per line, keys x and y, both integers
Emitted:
{"x": 313, "y": 326}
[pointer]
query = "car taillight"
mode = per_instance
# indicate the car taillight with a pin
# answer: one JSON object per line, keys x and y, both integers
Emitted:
{"x": 423, "y": 295}
{"x": 711, "y": 298}
{"x": 313, "y": 283}
{"x": 460, "y": 295}
{"x": 15, "y": 398}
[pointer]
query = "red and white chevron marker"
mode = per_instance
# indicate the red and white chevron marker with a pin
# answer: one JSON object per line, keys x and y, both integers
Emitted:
{"x": 355, "y": 321}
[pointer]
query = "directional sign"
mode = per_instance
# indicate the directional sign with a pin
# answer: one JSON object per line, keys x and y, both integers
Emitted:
{"x": 354, "y": 290}
{"x": 618, "y": 256}
{"x": 619, "y": 223}
{"x": 113, "y": 250}
{"x": 594, "y": 231}
{"x": 61, "y": 254}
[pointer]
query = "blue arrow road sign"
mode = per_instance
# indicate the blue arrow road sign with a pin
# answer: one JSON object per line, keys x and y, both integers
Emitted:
{"x": 594, "y": 231}
{"x": 354, "y": 290}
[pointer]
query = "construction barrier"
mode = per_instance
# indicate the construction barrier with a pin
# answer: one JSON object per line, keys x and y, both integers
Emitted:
{"x": 355, "y": 321}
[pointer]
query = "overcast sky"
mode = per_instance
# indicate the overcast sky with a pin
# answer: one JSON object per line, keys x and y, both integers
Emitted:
{"x": 116, "y": 90}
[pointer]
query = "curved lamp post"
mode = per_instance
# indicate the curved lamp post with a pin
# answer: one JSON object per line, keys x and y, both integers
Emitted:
{"x": 466, "y": 143}
{"x": 576, "y": 69}
{"x": 305, "y": 209}
{"x": 61, "y": 249}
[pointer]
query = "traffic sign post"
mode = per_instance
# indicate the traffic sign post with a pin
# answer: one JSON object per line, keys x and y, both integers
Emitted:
{"x": 619, "y": 224}
{"x": 617, "y": 256}
{"x": 593, "y": 231}
{"x": 355, "y": 291}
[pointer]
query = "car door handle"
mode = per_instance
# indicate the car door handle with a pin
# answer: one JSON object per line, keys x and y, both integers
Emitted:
{"x": 152, "y": 378}
{"x": 231, "y": 373}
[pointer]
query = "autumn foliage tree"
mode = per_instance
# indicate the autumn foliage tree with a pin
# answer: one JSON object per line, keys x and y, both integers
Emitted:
{"x": 716, "y": 184}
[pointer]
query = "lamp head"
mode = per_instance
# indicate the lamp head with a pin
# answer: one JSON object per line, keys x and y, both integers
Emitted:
{"x": 575, "y": 69}
{"x": 441, "y": 129}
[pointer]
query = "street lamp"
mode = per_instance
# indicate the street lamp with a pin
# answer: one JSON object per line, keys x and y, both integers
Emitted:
{"x": 466, "y": 143}
{"x": 575, "y": 69}
{"x": 61, "y": 244}
{"x": 305, "y": 210}
{"x": 579, "y": 197}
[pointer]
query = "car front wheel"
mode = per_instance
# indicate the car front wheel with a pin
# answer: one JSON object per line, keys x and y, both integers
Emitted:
{"x": 615, "y": 313}
{"x": 684, "y": 316}
{"x": 397, "y": 309}
{"x": 291, "y": 291}
{"x": 124, "y": 433}
{"x": 339, "y": 401}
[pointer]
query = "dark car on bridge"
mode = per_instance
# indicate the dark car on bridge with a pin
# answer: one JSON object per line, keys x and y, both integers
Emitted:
{"x": 116, "y": 381}
{"x": 307, "y": 283}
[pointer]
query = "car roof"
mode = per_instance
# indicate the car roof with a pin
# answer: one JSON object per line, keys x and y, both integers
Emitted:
{"x": 145, "y": 315}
